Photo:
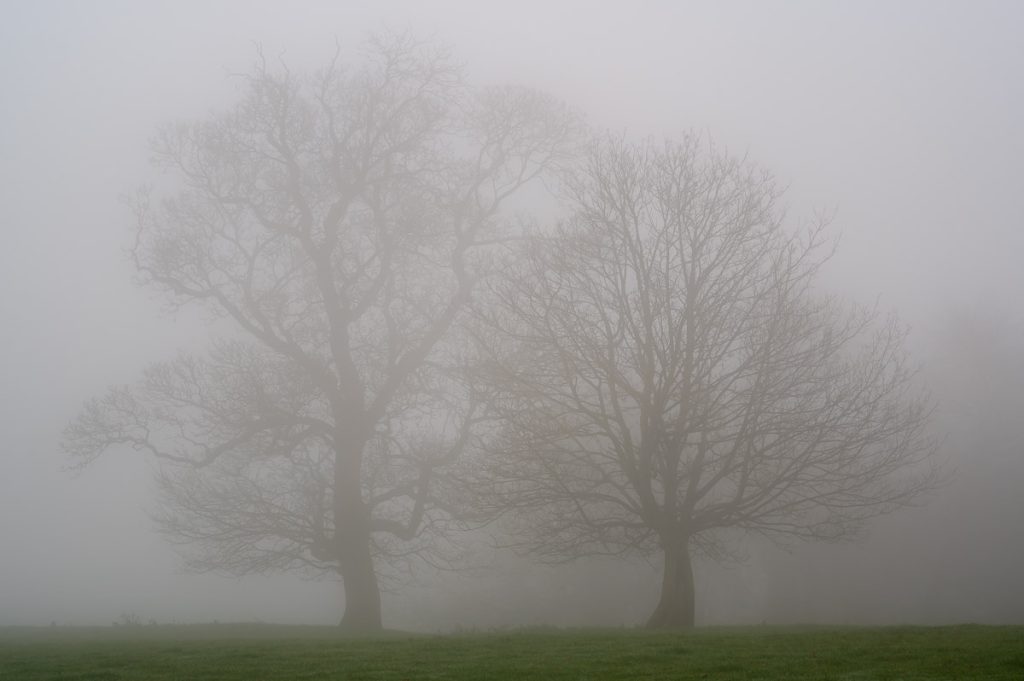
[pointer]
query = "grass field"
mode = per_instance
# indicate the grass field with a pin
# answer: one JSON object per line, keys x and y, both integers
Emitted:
{"x": 263, "y": 652}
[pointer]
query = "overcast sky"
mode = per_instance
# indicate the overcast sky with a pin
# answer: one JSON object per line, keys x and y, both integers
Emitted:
{"x": 902, "y": 117}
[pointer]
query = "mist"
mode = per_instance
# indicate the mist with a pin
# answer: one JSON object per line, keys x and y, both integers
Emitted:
{"x": 901, "y": 120}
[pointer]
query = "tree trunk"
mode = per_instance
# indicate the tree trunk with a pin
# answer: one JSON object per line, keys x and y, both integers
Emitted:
{"x": 676, "y": 606}
{"x": 352, "y": 534}
{"x": 362, "y": 593}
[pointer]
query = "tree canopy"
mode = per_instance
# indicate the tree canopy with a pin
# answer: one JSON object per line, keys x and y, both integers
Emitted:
{"x": 666, "y": 369}
{"x": 336, "y": 222}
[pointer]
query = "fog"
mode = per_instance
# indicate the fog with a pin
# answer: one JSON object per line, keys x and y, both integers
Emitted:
{"x": 901, "y": 118}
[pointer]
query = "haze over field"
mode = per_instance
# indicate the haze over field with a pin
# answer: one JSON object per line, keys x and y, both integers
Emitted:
{"x": 902, "y": 119}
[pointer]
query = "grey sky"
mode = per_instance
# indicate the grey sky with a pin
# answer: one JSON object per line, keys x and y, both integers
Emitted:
{"x": 903, "y": 117}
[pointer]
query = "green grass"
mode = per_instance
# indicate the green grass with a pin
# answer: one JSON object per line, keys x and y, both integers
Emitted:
{"x": 260, "y": 652}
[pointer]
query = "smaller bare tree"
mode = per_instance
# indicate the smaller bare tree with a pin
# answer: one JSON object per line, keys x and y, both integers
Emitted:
{"x": 666, "y": 371}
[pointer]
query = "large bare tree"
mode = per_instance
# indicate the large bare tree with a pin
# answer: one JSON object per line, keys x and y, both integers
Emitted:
{"x": 336, "y": 221}
{"x": 666, "y": 371}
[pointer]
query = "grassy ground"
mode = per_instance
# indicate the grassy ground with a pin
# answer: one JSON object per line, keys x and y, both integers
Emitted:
{"x": 258, "y": 652}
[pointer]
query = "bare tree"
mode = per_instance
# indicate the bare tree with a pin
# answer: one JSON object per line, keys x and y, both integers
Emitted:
{"x": 337, "y": 222}
{"x": 666, "y": 370}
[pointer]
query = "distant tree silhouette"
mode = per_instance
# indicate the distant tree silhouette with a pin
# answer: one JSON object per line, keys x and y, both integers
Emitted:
{"x": 336, "y": 221}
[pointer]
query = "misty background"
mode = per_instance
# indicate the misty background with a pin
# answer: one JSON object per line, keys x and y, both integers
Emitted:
{"x": 903, "y": 118}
